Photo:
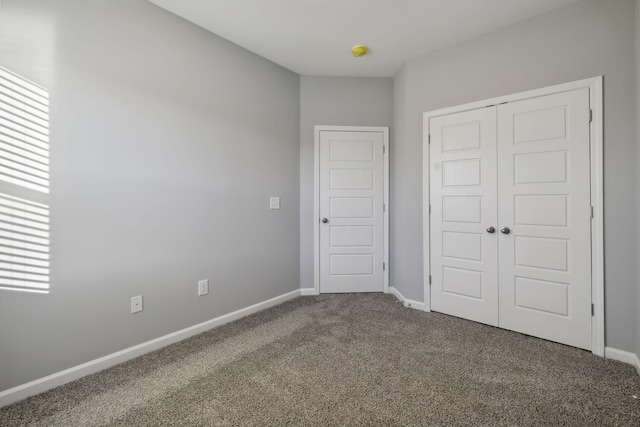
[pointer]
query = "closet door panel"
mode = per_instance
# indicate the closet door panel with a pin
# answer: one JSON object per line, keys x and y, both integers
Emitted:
{"x": 544, "y": 201}
{"x": 463, "y": 196}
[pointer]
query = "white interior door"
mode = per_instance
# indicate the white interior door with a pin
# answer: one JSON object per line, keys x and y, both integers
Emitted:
{"x": 544, "y": 201}
{"x": 464, "y": 269}
{"x": 351, "y": 211}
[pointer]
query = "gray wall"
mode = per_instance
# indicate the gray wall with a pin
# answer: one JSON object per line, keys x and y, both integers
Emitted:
{"x": 584, "y": 40}
{"x": 167, "y": 142}
{"x": 637, "y": 192}
{"x": 406, "y": 255}
{"x": 342, "y": 101}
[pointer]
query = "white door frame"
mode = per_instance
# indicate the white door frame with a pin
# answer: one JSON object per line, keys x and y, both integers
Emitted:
{"x": 316, "y": 198}
{"x": 597, "y": 190}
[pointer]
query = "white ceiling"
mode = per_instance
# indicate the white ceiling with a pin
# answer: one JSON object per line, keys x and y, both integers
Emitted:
{"x": 315, "y": 37}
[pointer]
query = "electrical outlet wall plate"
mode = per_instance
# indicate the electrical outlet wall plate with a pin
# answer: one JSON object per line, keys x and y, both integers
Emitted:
{"x": 274, "y": 202}
{"x": 203, "y": 287}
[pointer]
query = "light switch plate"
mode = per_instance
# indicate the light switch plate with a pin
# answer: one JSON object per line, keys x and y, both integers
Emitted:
{"x": 274, "y": 203}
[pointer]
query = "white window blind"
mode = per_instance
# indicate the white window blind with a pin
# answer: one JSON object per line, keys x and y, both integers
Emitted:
{"x": 24, "y": 164}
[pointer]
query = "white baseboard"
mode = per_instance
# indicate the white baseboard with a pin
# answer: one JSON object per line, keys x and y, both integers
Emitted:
{"x": 396, "y": 293}
{"x": 308, "y": 291}
{"x": 409, "y": 303}
{"x": 623, "y": 356}
{"x": 54, "y": 380}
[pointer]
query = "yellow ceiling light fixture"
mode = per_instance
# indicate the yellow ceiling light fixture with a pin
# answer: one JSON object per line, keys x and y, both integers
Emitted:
{"x": 359, "y": 51}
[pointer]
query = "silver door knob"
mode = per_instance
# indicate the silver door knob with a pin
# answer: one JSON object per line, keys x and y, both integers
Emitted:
{"x": 505, "y": 230}
{"x": 491, "y": 230}
{"x": 325, "y": 220}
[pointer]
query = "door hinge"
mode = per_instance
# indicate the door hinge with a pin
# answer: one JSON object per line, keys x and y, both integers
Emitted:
{"x": 429, "y": 139}
{"x": 593, "y": 309}
{"x": 591, "y": 212}
{"x": 429, "y": 209}
{"x": 590, "y": 116}
{"x": 384, "y": 149}
{"x": 384, "y": 266}
{"x": 384, "y": 207}
{"x": 429, "y": 279}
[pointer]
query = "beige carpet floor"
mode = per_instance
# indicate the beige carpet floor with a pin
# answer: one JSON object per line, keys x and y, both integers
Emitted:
{"x": 347, "y": 360}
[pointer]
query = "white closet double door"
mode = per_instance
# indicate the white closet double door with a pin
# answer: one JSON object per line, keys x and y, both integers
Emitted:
{"x": 511, "y": 216}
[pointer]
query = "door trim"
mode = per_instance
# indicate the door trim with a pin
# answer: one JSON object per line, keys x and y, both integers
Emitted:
{"x": 597, "y": 190}
{"x": 316, "y": 197}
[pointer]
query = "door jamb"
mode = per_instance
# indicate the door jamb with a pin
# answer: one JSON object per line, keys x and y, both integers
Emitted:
{"x": 316, "y": 198}
{"x": 595, "y": 86}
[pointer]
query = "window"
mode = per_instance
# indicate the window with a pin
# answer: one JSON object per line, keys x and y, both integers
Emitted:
{"x": 24, "y": 184}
